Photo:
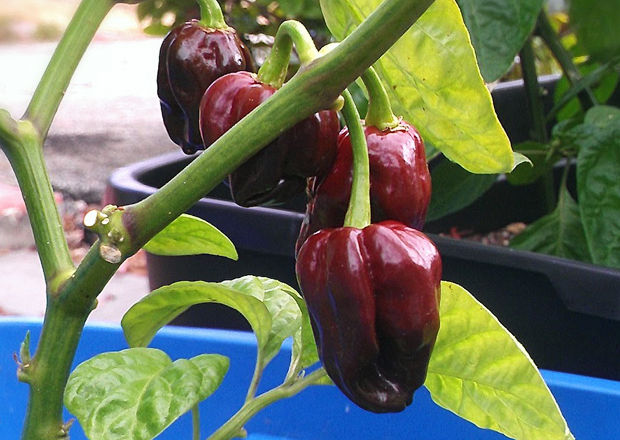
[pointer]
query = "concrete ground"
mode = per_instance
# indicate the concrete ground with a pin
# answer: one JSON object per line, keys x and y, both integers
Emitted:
{"x": 108, "y": 118}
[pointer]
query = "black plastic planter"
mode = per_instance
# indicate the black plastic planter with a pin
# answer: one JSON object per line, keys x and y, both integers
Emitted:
{"x": 566, "y": 313}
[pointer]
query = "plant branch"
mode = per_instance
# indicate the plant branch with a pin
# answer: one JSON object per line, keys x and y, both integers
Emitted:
{"x": 64, "y": 61}
{"x": 23, "y": 149}
{"x": 233, "y": 426}
{"x": 274, "y": 69}
{"x": 564, "y": 58}
{"x": 314, "y": 87}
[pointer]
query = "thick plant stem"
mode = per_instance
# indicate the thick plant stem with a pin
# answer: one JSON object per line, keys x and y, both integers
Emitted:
{"x": 233, "y": 426}
{"x": 26, "y": 157}
{"x": 55, "y": 80}
{"x": 211, "y": 14}
{"x": 380, "y": 113}
{"x": 314, "y": 87}
{"x": 537, "y": 116}
{"x": 291, "y": 32}
{"x": 358, "y": 213}
{"x": 564, "y": 58}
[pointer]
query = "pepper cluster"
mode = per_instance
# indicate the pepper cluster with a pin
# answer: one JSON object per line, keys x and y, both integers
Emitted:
{"x": 372, "y": 285}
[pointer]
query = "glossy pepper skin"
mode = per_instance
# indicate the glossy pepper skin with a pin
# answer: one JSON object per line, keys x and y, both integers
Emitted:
{"x": 400, "y": 182}
{"x": 191, "y": 57}
{"x": 279, "y": 170}
{"x": 373, "y": 297}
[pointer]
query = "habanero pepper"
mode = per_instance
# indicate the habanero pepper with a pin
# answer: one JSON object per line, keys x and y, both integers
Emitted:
{"x": 400, "y": 182}
{"x": 280, "y": 169}
{"x": 191, "y": 58}
{"x": 373, "y": 296}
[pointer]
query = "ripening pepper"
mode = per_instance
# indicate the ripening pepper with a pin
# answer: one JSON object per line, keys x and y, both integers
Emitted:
{"x": 191, "y": 57}
{"x": 280, "y": 169}
{"x": 400, "y": 182}
{"x": 373, "y": 297}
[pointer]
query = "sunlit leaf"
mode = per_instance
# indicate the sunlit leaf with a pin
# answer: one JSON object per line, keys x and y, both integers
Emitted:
{"x": 189, "y": 235}
{"x": 157, "y": 309}
{"x": 137, "y": 393}
{"x": 433, "y": 81}
{"x": 480, "y": 372}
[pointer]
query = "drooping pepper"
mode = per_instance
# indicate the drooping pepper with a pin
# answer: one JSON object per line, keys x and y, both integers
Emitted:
{"x": 191, "y": 57}
{"x": 281, "y": 168}
{"x": 373, "y": 296}
{"x": 400, "y": 183}
{"x": 372, "y": 291}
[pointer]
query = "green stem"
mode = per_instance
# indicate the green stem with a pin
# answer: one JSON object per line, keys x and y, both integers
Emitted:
{"x": 256, "y": 377}
{"x": 532, "y": 88}
{"x": 314, "y": 87}
{"x": 196, "y": 422}
{"x": 379, "y": 113}
{"x": 273, "y": 70}
{"x": 358, "y": 213}
{"x": 211, "y": 14}
{"x": 234, "y": 425}
{"x": 64, "y": 61}
{"x": 26, "y": 157}
{"x": 537, "y": 115}
{"x": 564, "y": 58}
{"x": 48, "y": 373}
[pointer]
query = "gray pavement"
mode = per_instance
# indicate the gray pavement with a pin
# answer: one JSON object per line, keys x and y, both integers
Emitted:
{"x": 108, "y": 118}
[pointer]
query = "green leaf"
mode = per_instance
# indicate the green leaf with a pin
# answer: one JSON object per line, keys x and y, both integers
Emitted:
{"x": 455, "y": 188}
{"x": 598, "y": 184}
{"x": 433, "y": 81}
{"x": 597, "y": 27}
{"x": 137, "y": 393}
{"x": 480, "y": 372}
{"x": 189, "y": 235}
{"x": 286, "y": 316}
{"x": 498, "y": 30}
{"x": 559, "y": 233}
{"x": 601, "y": 79}
{"x": 155, "y": 310}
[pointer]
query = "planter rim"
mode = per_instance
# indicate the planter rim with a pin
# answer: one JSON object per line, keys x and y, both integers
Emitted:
{"x": 238, "y": 337}
{"x": 567, "y": 276}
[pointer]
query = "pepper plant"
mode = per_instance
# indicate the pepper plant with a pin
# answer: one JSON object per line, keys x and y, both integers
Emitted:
{"x": 432, "y": 333}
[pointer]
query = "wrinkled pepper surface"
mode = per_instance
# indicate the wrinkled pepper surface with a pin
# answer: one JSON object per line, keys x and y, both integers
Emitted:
{"x": 279, "y": 170}
{"x": 373, "y": 297}
{"x": 191, "y": 57}
{"x": 400, "y": 182}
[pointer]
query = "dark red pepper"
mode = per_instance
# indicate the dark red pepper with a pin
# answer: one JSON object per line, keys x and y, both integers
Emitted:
{"x": 280, "y": 169}
{"x": 400, "y": 183}
{"x": 190, "y": 59}
{"x": 373, "y": 297}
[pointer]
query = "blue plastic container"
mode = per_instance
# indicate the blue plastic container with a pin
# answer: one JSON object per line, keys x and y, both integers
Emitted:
{"x": 590, "y": 405}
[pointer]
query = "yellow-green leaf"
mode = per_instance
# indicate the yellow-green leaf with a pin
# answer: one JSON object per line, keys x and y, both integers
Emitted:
{"x": 480, "y": 372}
{"x": 189, "y": 235}
{"x": 434, "y": 82}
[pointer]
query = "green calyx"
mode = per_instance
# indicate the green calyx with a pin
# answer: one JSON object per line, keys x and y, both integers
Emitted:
{"x": 275, "y": 67}
{"x": 211, "y": 14}
{"x": 358, "y": 213}
{"x": 379, "y": 113}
